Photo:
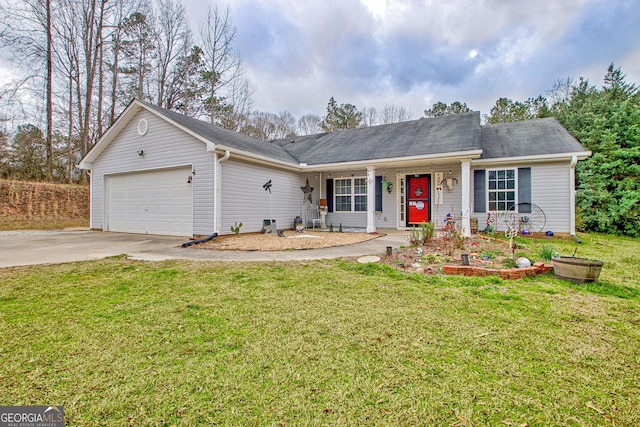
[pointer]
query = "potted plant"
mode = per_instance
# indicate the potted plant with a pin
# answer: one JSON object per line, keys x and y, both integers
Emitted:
{"x": 576, "y": 269}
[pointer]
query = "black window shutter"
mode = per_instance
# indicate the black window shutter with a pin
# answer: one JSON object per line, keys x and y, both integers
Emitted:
{"x": 378, "y": 193}
{"x": 524, "y": 190}
{"x": 329, "y": 195}
{"x": 479, "y": 190}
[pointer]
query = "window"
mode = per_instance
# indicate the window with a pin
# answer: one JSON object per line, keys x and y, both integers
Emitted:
{"x": 506, "y": 188}
{"x": 351, "y": 194}
{"x": 502, "y": 189}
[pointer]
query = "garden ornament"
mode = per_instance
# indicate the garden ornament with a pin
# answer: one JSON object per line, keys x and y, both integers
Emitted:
{"x": 450, "y": 183}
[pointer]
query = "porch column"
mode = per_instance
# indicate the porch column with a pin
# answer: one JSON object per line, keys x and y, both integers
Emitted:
{"x": 371, "y": 199}
{"x": 466, "y": 197}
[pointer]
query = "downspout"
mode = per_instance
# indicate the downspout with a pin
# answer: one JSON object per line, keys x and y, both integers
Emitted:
{"x": 91, "y": 200}
{"x": 572, "y": 194}
{"x": 216, "y": 189}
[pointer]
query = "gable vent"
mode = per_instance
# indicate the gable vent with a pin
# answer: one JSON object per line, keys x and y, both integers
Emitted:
{"x": 143, "y": 127}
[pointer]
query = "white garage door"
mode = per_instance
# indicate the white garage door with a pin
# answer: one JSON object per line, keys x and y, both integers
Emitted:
{"x": 151, "y": 202}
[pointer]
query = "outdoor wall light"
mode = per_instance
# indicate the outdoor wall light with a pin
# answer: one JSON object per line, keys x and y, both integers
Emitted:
{"x": 189, "y": 179}
{"x": 140, "y": 152}
{"x": 389, "y": 187}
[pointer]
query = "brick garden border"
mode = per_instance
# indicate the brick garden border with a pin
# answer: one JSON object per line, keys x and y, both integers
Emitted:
{"x": 506, "y": 274}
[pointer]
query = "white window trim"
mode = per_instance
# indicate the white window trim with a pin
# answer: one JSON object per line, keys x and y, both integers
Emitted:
{"x": 515, "y": 189}
{"x": 353, "y": 194}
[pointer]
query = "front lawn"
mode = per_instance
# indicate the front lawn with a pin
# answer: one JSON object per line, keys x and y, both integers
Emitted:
{"x": 121, "y": 342}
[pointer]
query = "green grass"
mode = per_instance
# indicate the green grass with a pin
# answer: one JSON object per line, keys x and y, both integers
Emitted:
{"x": 121, "y": 342}
{"x": 18, "y": 223}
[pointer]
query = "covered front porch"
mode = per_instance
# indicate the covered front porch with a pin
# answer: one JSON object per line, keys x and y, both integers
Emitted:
{"x": 393, "y": 195}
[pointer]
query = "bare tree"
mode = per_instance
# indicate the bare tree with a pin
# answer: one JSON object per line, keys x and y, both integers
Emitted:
{"x": 70, "y": 58}
{"x": 172, "y": 37}
{"x": 139, "y": 48}
{"x": 49, "y": 92}
{"x": 560, "y": 91}
{"x": 183, "y": 89}
{"x": 261, "y": 125}
{"x": 369, "y": 116}
{"x": 27, "y": 36}
{"x": 234, "y": 112}
{"x": 221, "y": 63}
{"x": 395, "y": 114}
{"x": 309, "y": 124}
{"x": 93, "y": 14}
{"x": 285, "y": 125}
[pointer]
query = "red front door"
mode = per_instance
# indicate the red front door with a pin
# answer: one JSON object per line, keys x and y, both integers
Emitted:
{"x": 418, "y": 198}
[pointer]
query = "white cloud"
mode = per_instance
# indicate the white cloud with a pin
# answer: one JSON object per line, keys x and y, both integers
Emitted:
{"x": 414, "y": 53}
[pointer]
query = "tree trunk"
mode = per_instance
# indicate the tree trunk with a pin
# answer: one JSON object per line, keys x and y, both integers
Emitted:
{"x": 114, "y": 82}
{"x": 100, "y": 90}
{"x": 49, "y": 97}
{"x": 70, "y": 136}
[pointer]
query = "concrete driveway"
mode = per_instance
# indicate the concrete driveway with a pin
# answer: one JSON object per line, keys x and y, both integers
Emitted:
{"x": 54, "y": 247}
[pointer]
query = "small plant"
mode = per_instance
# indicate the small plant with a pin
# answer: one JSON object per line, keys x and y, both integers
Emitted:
{"x": 428, "y": 230}
{"x": 454, "y": 239}
{"x": 508, "y": 263}
{"x": 331, "y": 228}
{"x": 546, "y": 252}
{"x": 414, "y": 236}
{"x": 432, "y": 258}
{"x": 492, "y": 254}
{"x": 236, "y": 228}
{"x": 340, "y": 228}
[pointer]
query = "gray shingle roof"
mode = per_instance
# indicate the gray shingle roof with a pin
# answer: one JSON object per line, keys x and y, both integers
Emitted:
{"x": 219, "y": 135}
{"x": 528, "y": 138}
{"x": 413, "y": 138}
{"x": 422, "y": 137}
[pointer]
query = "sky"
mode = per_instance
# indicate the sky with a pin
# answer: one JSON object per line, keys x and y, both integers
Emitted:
{"x": 414, "y": 53}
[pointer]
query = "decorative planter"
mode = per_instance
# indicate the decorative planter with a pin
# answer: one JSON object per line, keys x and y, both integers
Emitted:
{"x": 578, "y": 270}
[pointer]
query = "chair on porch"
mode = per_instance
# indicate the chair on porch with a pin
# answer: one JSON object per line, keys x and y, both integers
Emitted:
{"x": 312, "y": 216}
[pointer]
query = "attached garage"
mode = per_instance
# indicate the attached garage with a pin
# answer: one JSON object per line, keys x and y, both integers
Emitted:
{"x": 150, "y": 202}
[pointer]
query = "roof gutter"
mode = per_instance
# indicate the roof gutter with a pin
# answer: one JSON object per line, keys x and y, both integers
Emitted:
{"x": 256, "y": 158}
{"x": 455, "y": 156}
{"x": 580, "y": 155}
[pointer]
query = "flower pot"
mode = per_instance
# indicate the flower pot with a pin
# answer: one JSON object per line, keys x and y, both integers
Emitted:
{"x": 577, "y": 270}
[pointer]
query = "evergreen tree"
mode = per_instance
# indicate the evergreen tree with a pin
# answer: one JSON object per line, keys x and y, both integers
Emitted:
{"x": 607, "y": 122}
{"x": 28, "y": 153}
{"x": 441, "y": 109}
{"x": 343, "y": 116}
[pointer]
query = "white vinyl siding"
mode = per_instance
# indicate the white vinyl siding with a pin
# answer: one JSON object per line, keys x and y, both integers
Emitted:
{"x": 165, "y": 146}
{"x": 549, "y": 191}
{"x": 244, "y": 199}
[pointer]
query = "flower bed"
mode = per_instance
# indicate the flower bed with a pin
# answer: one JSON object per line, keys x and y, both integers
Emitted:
{"x": 512, "y": 273}
{"x": 487, "y": 256}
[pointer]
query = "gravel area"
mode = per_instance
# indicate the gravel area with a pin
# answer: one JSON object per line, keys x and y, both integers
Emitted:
{"x": 290, "y": 241}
